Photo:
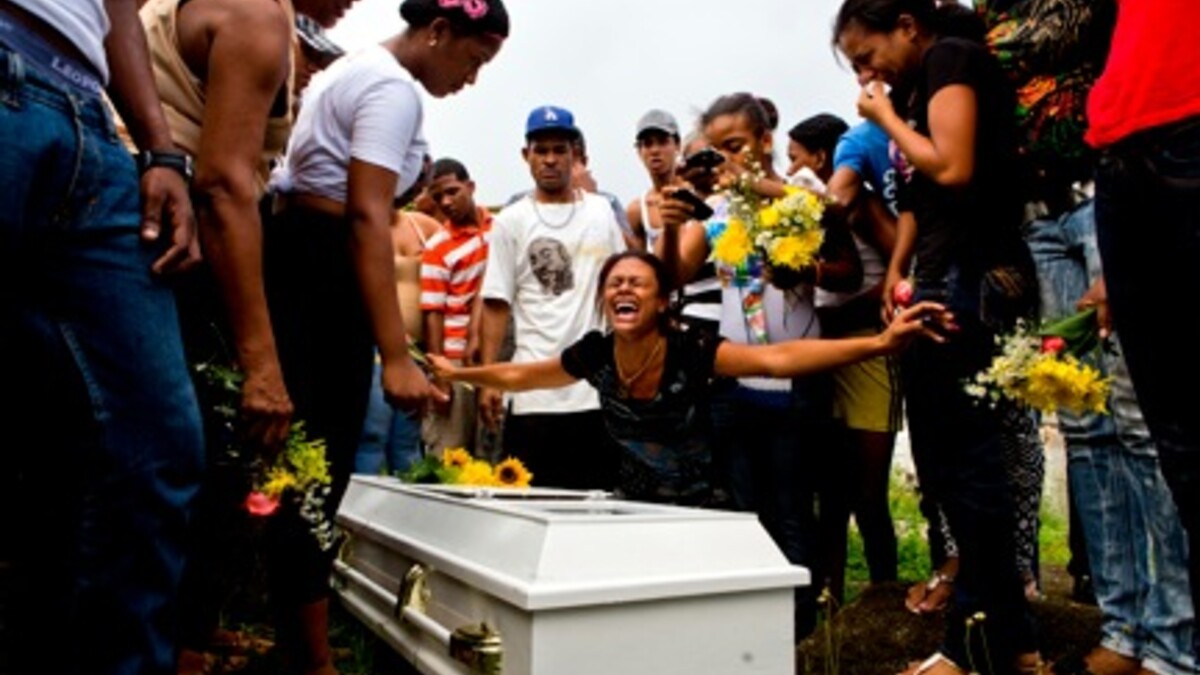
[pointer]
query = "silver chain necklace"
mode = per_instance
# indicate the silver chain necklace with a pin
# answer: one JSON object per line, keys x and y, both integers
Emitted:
{"x": 567, "y": 221}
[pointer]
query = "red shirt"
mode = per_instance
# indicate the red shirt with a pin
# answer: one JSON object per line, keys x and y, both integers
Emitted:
{"x": 1152, "y": 76}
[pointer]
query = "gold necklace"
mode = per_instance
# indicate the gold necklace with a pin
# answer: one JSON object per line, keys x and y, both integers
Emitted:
{"x": 627, "y": 381}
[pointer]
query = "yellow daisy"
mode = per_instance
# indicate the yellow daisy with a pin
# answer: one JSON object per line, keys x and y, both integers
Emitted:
{"x": 733, "y": 247}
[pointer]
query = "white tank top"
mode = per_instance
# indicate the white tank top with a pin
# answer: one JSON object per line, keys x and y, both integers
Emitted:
{"x": 83, "y": 22}
{"x": 652, "y": 233}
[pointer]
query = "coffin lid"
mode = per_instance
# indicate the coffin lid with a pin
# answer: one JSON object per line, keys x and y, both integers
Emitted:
{"x": 541, "y": 548}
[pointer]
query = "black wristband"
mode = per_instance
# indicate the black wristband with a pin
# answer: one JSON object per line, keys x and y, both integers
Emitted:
{"x": 166, "y": 159}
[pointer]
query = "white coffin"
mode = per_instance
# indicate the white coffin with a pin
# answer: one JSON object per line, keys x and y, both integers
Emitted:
{"x": 566, "y": 582}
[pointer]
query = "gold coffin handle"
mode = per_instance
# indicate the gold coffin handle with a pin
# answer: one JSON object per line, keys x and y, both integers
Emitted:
{"x": 477, "y": 647}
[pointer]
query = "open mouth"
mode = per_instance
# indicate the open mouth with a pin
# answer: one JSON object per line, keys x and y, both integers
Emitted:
{"x": 625, "y": 309}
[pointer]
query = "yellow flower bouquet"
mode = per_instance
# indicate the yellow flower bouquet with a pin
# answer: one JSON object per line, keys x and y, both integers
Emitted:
{"x": 1043, "y": 368}
{"x": 457, "y": 467}
{"x": 786, "y": 231}
{"x": 299, "y": 474}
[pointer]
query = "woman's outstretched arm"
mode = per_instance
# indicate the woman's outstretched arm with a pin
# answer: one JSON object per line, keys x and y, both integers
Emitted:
{"x": 545, "y": 374}
{"x": 804, "y": 357}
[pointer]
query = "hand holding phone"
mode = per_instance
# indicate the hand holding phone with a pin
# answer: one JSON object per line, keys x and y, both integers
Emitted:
{"x": 700, "y": 209}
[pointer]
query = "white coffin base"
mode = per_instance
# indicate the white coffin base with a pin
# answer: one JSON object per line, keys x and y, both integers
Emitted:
{"x": 573, "y": 585}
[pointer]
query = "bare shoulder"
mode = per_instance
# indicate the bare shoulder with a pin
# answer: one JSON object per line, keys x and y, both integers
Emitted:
{"x": 259, "y": 31}
{"x": 429, "y": 225}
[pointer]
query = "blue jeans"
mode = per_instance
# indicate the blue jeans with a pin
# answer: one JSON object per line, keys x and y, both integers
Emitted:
{"x": 1135, "y": 543}
{"x": 101, "y": 422}
{"x": 391, "y": 438}
{"x": 1148, "y": 228}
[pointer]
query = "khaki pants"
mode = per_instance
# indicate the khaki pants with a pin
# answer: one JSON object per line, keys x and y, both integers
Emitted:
{"x": 456, "y": 428}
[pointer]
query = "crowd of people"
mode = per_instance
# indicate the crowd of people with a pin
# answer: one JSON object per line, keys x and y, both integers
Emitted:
{"x": 194, "y": 183}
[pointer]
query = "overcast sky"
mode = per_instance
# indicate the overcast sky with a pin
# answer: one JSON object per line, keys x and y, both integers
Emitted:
{"x": 609, "y": 61}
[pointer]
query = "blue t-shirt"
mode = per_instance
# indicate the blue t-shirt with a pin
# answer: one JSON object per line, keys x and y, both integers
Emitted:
{"x": 864, "y": 149}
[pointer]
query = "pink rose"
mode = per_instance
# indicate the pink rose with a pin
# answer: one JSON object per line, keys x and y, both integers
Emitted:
{"x": 1052, "y": 344}
{"x": 902, "y": 293}
{"x": 258, "y": 504}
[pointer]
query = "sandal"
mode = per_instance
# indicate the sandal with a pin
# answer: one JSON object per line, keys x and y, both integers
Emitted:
{"x": 931, "y": 596}
{"x": 938, "y": 664}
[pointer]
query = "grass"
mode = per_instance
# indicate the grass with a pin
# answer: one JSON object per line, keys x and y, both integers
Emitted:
{"x": 913, "y": 549}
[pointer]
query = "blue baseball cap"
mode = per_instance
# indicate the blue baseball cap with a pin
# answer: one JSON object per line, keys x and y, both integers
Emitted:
{"x": 551, "y": 118}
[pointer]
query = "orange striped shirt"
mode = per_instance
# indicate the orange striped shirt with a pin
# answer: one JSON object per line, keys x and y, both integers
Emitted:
{"x": 451, "y": 275}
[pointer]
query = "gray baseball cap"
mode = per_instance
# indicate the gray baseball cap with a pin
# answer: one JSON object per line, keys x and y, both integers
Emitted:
{"x": 658, "y": 120}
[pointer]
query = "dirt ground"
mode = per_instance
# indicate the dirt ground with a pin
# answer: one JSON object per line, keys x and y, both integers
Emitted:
{"x": 876, "y": 635}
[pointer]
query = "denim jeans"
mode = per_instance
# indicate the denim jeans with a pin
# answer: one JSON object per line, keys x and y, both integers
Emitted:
{"x": 1148, "y": 228}
{"x": 957, "y": 443}
{"x": 101, "y": 424}
{"x": 1134, "y": 540}
{"x": 391, "y": 438}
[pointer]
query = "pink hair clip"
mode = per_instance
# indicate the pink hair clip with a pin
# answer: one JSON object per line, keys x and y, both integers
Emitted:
{"x": 476, "y": 9}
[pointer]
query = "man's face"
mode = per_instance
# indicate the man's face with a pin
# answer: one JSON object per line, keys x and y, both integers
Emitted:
{"x": 455, "y": 198}
{"x": 658, "y": 150}
{"x": 551, "y": 159}
{"x": 546, "y": 261}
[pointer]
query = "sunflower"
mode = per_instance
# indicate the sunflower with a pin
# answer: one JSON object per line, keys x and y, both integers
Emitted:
{"x": 456, "y": 458}
{"x": 476, "y": 473}
{"x": 512, "y": 473}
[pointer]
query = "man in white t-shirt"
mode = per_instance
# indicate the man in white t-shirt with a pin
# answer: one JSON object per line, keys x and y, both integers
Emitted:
{"x": 543, "y": 269}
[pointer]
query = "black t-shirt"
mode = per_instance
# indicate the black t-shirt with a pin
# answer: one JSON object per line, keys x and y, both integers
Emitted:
{"x": 976, "y": 226}
{"x": 665, "y": 455}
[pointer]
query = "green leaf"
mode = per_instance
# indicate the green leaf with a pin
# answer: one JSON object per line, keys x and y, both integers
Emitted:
{"x": 1081, "y": 332}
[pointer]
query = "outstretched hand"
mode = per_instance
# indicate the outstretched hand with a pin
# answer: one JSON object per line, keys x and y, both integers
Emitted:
{"x": 929, "y": 319}
{"x": 405, "y": 386}
{"x": 441, "y": 367}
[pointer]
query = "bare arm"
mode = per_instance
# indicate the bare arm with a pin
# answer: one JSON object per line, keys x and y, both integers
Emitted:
{"x": 435, "y": 334}
{"x": 369, "y": 191}
{"x": 845, "y": 186}
{"x": 247, "y": 64}
{"x": 131, "y": 89}
{"x": 633, "y": 213}
{"x": 880, "y": 227}
{"x": 474, "y": 339}
{"x": 948, "y": 155}
{"x": 683, "y": 247}
{"x": 906, "y": 238}
{"x": 496, "y": 314}
{"x": 795, "y": 358}
{"x": 545, "y": 374}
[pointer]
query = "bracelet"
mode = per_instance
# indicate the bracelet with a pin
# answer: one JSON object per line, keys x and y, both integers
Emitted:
{"x": 177, "y": 161}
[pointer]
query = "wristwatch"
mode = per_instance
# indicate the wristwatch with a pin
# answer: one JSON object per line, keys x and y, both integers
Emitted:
{"x": 166, "y": 159}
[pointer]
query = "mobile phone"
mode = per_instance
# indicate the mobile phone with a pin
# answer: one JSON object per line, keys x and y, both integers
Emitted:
{"x": 704, "y": 158}
{"x": 700, "y": 209}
